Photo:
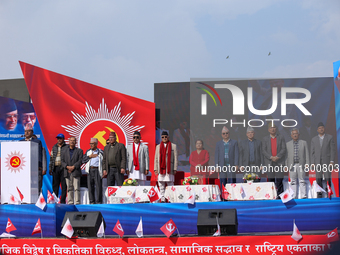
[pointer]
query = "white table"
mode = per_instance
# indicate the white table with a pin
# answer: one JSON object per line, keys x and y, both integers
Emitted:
{"x": 253, "y": 191}
{"x": 123, "y": 194}
{"x": 181, "y": 193}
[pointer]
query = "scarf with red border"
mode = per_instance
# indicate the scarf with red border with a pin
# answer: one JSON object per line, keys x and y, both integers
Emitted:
{"x": 165, "y": 167}
{"x": 135, "y": 157}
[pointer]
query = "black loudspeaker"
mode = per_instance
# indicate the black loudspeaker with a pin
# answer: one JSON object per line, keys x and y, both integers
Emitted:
{"x": 85, "y": 224}
{"x": 207, "y": 224}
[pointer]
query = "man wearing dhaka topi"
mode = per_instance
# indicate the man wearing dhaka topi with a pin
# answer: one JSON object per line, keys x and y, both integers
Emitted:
{"x": 138, "y": 159}
{"x": 165, "y": 163}
{"x": 114, "y": 161}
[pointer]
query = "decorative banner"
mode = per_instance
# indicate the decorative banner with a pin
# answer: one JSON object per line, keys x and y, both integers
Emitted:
{"x": 283, "y": 245}
{"x": 76, "y": 108}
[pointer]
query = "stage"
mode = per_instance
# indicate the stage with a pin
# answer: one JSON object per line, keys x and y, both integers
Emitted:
{"x": 270, "y": 216}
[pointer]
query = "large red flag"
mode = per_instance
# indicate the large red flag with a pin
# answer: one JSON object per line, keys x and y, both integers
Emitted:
{"x": 169, "y": 227}
{"x": 76, "y": 108}
{"x": 118, "y": 229}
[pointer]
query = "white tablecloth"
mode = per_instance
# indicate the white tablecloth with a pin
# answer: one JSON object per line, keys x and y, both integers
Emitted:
{"x": 252, "y": 191}
{"x": 123, "y": 194}
{"x": 181, "y": 193}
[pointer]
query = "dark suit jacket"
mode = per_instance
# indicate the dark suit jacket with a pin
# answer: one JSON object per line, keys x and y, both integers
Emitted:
{"x": 120, "y": 157}
{"x": 39, "y": 149}
{"x": 74, "y": 161}
{"x": 243, "y": 150}
{"x": 267, "y": 150}
{"x": 326, "y": 153}
{"x": 233, "y": 154}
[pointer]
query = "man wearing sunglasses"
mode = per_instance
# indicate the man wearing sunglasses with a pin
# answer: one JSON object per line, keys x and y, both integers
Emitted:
{"x": 114, "y": 161}
{"x": 226, "y": 157}
{"x": 165, "y": 163}
{"x": 138, "y": 159}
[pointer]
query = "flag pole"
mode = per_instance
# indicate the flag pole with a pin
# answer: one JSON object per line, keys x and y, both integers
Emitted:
{"x": 142, "y": 225}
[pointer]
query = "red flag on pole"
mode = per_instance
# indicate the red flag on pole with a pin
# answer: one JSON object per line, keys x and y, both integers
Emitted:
{"x": 37, "y": 228}
{"x": 10, "y": 227}
{"x": 118, "y": 229}
{"x": 225, "y": 193}
{"x": 153, "y": 195}
{"x": 169, "y": 227}
{"x": 20, "y": 194}
{"x": 330, "y": 191}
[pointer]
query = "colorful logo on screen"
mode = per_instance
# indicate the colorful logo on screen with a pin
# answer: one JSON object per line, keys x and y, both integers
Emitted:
{"x": 99, "y": 124}
{"x": 204, "y": 97}
{"x": 15, "y": 162}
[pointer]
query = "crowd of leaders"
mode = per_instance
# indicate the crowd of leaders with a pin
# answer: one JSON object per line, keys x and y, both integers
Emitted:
{"x": 272, "y": 154}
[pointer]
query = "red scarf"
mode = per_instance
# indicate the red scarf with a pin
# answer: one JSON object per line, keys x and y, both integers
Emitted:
{"x": 165, "y": 168}
{"x": 135, "y": 157}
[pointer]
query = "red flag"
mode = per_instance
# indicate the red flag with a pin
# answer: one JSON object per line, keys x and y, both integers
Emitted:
{"x": 41, "y": 203}
{"x": 333, "y": 236}
{"x": 168, "y": 228}
{"x": 286, "y": 196}
{"x": 10, "y": 227}
{"x": 191, "y": 199}
{"x": 330, "y": 191}
{"x": 20, "y": 194}
{"x": 37, "y": 228}
{"x": 87, "y": 110}
{"x": 225, "y": 193}
{"x": 153, "y": 195}
{"x": 118, "y": 229}
{"x": 111, "y": 190}
{"x": 67, "y": 229}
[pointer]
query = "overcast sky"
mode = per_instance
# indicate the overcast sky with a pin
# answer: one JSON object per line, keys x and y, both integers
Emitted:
{"x": 127, "y": 46}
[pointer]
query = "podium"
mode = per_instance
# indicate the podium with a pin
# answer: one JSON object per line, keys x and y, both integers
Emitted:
{"x": 19, "y": 168}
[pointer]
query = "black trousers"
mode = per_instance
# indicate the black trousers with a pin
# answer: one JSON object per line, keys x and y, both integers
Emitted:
{"x": 58, "y": 178}
{"x": 94, "y": 186}
{"x": 113, "y": 176}
{"x": 277, "y": 178}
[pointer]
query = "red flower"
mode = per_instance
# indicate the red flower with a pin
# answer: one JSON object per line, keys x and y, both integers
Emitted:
{"x": 173, "y": 188}
{"x": 251, "y": 198}
{"x": 122, "y": 200}
{"x": 137, "y": 199}
{"x": 204, "y": 189}
{"x": 233, "y": 185}
{"x": 187, "y": 183}
{"x": 267, "y": 196}
{"x": 188, "y": 188}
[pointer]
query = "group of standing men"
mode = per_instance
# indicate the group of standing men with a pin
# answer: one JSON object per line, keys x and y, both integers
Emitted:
{"x": 113, "y": 163}
{"x": 273, "y": 155}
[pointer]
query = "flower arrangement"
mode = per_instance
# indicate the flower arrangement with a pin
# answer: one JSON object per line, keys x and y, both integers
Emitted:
{"x": 251, "y": 177}
{"x": 191, "y": 180}
{"x": 130, "y": 182}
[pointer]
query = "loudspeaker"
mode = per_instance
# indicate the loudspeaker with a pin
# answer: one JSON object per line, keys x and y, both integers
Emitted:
{"x": 85, "y": 224}
{"x": 207, "y": 224}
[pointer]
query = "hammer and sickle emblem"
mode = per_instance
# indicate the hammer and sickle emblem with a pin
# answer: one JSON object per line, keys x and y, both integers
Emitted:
{"x": 8, "y": 225}
{"x": 152, "y": 193}
{"x": 169, "y": 227}
{"x": 15, "y": 162}
{"x": 100, "y": 136}
{"x": 331, "y": 234}
{"x": 119, "y": 227}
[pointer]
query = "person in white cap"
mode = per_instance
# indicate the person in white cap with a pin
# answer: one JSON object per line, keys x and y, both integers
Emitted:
{"x": 93, "y": 158}
{"x": 138, "y": 159}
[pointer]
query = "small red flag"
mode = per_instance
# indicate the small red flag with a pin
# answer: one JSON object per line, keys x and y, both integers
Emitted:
{"x": 330, "y": 191}
{"x": 118, "y": 229}
{"x": 153, "y": 195}
{"x": 20, "y": 194}
{"x": 168, "y": 228}
{"x": 10, "y": 227}
{"x": 333, "y": 236}
{"x": 110, "y": 191}
{"x": 225, "y": 193}
{"x": 37, "y": 228}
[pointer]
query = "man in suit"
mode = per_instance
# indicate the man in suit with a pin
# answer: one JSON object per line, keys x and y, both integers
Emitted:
{"x": 297, "y": 159}
{"x": 93, "y": 158}
{"x": 250, "y": 153}
{"x": 322, "y": 152}
{"x": 29, "y": 137}
{"x": 274, "y": 153}
{"x": 226, "y": 157}
{"x": 71, "y": 158}
{"x": 165, "y": 163}
{"x": 138, "y": 159}
{"x": 114, "y": 161}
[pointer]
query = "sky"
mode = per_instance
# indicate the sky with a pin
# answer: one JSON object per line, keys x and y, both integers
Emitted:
{"x": 127, "y": 46}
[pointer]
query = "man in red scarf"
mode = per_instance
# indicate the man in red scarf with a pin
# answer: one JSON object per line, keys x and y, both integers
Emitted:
{"x": 165, "y": 163}
{"x": 138, "y": 159}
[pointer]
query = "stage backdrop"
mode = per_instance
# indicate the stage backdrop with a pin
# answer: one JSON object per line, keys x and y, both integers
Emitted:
{"x": 76, "y": 108}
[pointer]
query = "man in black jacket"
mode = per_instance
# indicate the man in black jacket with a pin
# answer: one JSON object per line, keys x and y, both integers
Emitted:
{"x": 56, "y": 170}
{"x": 71, "y": 158}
